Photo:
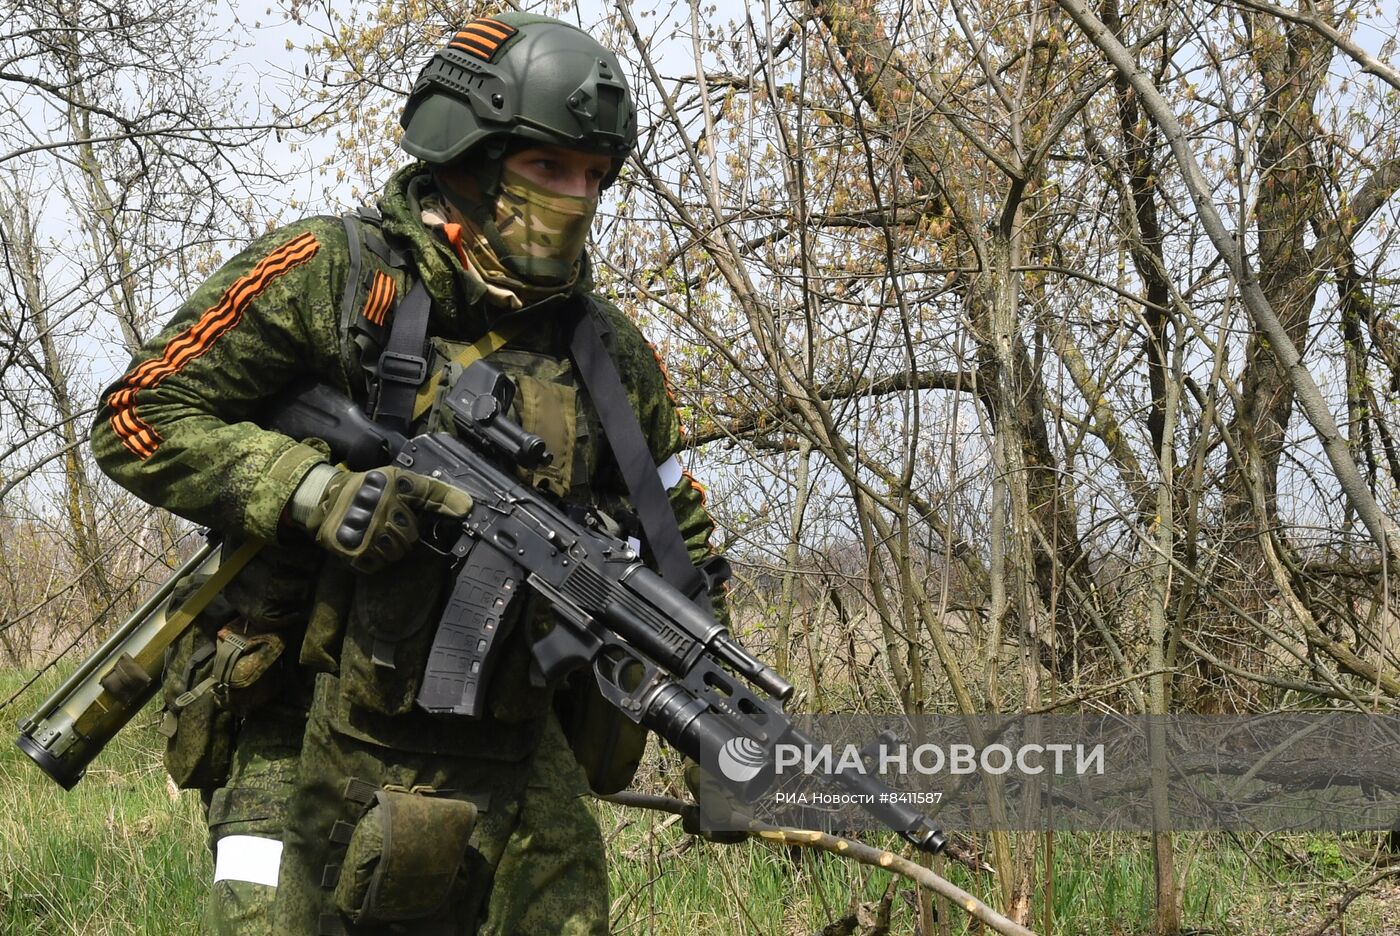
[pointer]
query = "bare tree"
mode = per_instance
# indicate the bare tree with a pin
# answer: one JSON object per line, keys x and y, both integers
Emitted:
{"x": 128, "y": 165}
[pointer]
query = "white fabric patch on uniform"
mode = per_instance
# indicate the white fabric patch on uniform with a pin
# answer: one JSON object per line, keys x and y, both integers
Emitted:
{"x": 670, "y": 471}
{"x": 247, "y": 858}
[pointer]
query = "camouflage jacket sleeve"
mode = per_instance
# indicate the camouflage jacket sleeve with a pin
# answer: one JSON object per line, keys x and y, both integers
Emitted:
{"x": 178, "y": 428}
{"x": 645, "y": 376}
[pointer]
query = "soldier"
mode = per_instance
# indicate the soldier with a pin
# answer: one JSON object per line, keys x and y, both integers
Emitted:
{"x": 335, "y": 805}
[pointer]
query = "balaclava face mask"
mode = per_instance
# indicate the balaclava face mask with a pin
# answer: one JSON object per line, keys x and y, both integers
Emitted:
{"x": 543, "y": 233}
{"x": 532, "y": 242}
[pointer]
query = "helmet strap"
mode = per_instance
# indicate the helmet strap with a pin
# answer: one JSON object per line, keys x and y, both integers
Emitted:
{"x": 481, "y": 212}
{"x": 485, "y": 166}
{"x": 485, "y": 169}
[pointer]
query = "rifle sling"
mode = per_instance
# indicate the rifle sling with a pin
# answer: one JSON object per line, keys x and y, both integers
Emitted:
{"x": 486, "y": 345}
{"x": 634, "y": 459}
{"x": 402, "y": 367}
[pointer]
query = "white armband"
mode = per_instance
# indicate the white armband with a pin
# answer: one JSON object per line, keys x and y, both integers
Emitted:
{"x": 250, "y": 858}
{"x": 670, "y": 472}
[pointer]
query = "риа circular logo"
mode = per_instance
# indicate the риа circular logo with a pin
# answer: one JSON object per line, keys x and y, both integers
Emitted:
{"x": 742, "y": 759}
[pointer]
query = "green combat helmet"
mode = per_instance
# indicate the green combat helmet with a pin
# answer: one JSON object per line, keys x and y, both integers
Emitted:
{"x": 519, "y": 78}
{"x": 514, "y": 81}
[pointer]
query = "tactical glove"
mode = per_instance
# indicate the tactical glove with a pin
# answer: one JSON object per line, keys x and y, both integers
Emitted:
{"x": 370, "y": 518}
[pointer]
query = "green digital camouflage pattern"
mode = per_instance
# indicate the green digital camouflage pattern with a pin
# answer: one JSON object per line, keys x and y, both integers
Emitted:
{"x": 180, "y": 430}
{"x": 535, "y": 860}
{"x": 249, "y": 332}
{"x": 253, "y": 802}
{"x": 537, "y": 852}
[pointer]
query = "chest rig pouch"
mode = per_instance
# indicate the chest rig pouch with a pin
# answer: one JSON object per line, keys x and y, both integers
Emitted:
{"x": 546, "y": 403}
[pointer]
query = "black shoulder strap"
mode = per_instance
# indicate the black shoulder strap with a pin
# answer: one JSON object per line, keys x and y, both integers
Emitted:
{"x": 634, "y": 459}
{"x": 352, "y": 276}
{"x": 395, "y": 372}
{"x": 402, "y": 366}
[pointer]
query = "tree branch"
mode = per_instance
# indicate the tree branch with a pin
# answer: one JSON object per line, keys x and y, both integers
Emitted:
{"x": 846, "y": 848}
{"x": 1368, "y": 62}
{"x": 836, "y": 390}
{"x": 1383, "y": 529}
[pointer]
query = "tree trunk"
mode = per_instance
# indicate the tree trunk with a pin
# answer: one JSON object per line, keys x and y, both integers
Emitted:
{"x": 1291, "y": 61}
{"x": 26, "y": 263}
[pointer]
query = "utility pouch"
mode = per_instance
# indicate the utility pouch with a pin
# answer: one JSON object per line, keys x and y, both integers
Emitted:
{"x": 199, "y": 734}
{"x": 549, "y": 410}
{"x": 320, "y": 648}
{"x": 403, "y": 857}
{"x": 389, "y": 631}
{"x": 214, "y": 673}
{"x": 273, "y": 593}
{"x": 244, "y": 676}
{"x": 546, "y": 403}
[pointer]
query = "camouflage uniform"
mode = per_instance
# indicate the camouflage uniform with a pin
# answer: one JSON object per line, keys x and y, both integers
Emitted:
{"x": 180, "y": 430}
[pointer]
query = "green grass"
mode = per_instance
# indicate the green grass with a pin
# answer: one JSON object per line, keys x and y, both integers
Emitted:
{"x": 122, "y": 855}
{"x": 118, "y": 854}
{"x": 1102, "y": 887}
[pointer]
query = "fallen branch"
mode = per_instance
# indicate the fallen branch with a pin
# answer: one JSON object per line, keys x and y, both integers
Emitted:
{"x": 848, "y": 848}
{"x": 1335, "y": 917}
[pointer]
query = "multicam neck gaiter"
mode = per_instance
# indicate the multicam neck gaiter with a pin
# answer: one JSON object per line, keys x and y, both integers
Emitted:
{"x": 543, "y": 232}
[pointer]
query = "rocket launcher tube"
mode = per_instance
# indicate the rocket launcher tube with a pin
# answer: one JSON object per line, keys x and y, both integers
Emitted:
{"x": 105, "y": 692}
{"x": 74, "y": 724}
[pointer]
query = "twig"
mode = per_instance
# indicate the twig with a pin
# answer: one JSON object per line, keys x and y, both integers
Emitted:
{"x": 848, "y": 848}
{"x": 1099, "y": 691}
{"x": 1336, "y": 915}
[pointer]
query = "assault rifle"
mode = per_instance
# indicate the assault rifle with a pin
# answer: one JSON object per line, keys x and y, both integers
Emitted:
{"x": 658, "y": 657}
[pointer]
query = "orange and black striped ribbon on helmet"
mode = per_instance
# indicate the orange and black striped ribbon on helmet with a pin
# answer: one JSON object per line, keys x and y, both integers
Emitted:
{"x": 138, "y": 435}
{"x": 380, "y": 298}
{"x": 482, "y": 38}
